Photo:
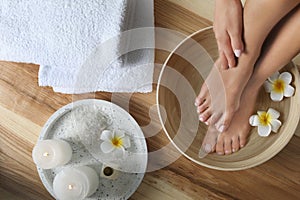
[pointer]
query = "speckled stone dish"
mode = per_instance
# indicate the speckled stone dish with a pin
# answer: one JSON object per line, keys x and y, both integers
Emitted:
{"x": 127, "y": 182}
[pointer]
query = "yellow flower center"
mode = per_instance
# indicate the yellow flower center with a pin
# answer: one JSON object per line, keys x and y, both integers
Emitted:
{"x": 265, "y": 119}
{"x": 278, "y": 86}
{"x": 117, "y": 142}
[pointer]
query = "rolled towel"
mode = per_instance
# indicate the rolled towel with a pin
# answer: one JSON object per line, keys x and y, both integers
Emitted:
{"x": 65, "y": 36}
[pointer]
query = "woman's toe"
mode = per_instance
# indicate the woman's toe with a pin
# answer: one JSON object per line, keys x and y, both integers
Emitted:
{"x": 202, "y": 95}
{"x": 227, "y": 146}
{"x": 235, "y": 144}
{"x": 224, "y": 121}
{"x": 203, "y": 107}
{"x": 203, "y": 117}
{"x": 220, "y": 146}
{"x": 211, "y": 121}
{"x": 242, "y": 140}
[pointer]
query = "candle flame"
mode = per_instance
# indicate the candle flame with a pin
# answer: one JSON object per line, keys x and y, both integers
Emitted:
{"x": 70, "y": 187}
{"x": 46, "y": 154}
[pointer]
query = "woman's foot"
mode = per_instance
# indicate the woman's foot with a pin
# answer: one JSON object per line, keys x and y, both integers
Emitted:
{"x": 236, "y": 136}
{"x": 219, "y": 97}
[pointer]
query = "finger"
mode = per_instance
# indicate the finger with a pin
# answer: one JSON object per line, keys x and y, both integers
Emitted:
{"x": 228, "y": 52}
{"x": 237, "y": 43}
{"x": 222, "y": 61}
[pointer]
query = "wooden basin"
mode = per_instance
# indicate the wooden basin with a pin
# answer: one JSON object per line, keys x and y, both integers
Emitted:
{"x": 180, "y": 81}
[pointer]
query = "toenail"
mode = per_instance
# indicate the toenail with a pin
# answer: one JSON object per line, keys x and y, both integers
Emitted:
{"x": 233, "y": 150}
{"x": 242, "y": 146}
{"x": 201, "y": 119}
{"x": 220, "y": 153}
{"x": 221, "y": 128}
{"x": 227, "y": 152}
{"x": 207, "y": 148}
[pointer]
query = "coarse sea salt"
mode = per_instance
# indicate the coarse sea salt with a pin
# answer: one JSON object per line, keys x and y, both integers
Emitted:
{"x": 83, "y": 124}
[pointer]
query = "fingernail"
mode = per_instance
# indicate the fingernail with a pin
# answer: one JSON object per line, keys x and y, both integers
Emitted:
{"x": 237, "y": 52}
{"x": 207, "y": 148}
{"x": 201, "y": 119}
{"x": 206, "y": 123}
{"x": 221, "y": 128}
{"x": 198, "y": 111}
{"x": 196, "y": 103}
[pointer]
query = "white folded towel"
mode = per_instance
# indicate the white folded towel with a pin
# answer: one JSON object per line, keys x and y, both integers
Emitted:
{"x": 67, "y": 38}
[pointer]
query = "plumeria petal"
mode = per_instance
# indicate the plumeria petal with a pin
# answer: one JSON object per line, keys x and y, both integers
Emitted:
{"x": 274, "y": 77}
{"x": 286, "y": 77}
{"x": 275, "y": 125}
{"x": 119, "y": 134}
{"x": 126, "y": 141}
{"x": 278, "y": 85}
{"x": 264, "y": 131}
{"x": 268, "y": 86}
{"x": 107, "y": 147}
{"x": 254, "y": 120}
{"x": 273, "y": 113}
{"x": 288, "y": 91}
{"x": 119, "y": 152}
{"x": 106, "y": 135}
{"x": 276, "y": 96}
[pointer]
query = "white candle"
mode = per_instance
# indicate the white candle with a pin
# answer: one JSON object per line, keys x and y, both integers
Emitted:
{"x": 75, "y": 183}
{"x": 48, "y": 154}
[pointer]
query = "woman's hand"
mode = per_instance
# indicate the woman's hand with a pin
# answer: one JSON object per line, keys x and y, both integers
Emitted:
{"x": 228, "y": 28}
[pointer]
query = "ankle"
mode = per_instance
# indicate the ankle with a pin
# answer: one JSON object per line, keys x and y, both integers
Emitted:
{"x": 255, "y": 83}
{"x": 248, "y": 59}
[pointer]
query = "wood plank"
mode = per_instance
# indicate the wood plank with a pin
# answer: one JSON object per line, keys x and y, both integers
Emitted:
{"x": 20, "y": 180}
{"x": 172, "y": 16}
{"x": 297, "y": 61}
{"x": 8, "y": 195}
{"x": 203, "y": 8}
{"x": 25, "y": 107}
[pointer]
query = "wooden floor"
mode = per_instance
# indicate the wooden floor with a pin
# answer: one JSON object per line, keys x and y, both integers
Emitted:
{"x": 25, "y": 107}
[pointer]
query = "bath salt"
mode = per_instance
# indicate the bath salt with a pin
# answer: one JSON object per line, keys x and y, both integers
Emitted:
{"x": 83, "y": 124}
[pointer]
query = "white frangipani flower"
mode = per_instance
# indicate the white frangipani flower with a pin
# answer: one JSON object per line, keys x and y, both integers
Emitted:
{"x": 114, "y": 142}
{"x": 266, "y": 122}
{"x": 279, "y": 86}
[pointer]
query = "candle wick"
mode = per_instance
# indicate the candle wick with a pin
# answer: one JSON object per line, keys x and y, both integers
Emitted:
{"x": 70, "y": 187}
{"x": 46, "y": 154}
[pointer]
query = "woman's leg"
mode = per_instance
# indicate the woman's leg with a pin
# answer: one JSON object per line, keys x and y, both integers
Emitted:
{"x": 281, "y": 46}
{"x": 219, "y": 97}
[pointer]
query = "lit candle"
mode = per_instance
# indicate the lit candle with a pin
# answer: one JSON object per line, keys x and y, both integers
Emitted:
{"x": 75, "y": 183}
{"x": 48, "y": 154}
{"x": 109, "y": 172}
